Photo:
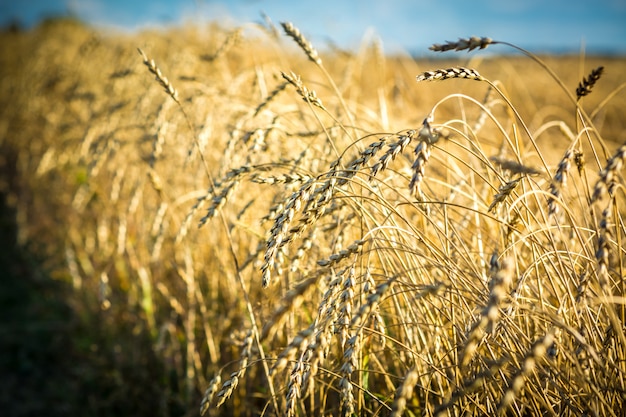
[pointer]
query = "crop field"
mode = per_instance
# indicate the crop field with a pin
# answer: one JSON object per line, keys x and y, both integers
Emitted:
{"x": 225, "y": 222}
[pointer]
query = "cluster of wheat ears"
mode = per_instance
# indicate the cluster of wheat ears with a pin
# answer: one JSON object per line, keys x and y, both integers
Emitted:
{"x": 454, "y": 267}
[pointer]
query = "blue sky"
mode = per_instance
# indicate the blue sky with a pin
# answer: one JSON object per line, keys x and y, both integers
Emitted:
{"x": 540, "y": 25}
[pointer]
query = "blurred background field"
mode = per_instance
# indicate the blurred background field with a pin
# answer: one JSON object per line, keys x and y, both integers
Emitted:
{"x": 103, "y": 311}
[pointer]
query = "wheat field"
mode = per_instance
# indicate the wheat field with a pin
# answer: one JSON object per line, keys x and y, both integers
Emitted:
{"x": 244, "y": 224}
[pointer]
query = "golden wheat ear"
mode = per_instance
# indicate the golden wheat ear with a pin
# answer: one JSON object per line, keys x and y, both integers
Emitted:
{"x": 162, "y": 79}
{"x": 462, "y": 44}
{"x": 444, "y": 74}
{"x": 608, "y": 176}
{"x": 585, "y": 86}
{"x": 306, "y": 46}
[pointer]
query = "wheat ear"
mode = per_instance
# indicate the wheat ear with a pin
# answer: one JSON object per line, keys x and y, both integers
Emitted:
{"x": 501, "y": 276}
{"x": 559, "y": 182}
{"x": 228, "y": 387}
{"x": 404, "y": 393}
{"x": 162, "y": 79}
{"x": 585, "y": 86}
{"x": 503, "y": 192}
{"x": 536, "y": 353}
{"x": 608, "y": 176}
{"x": 307, "y": 95}
{"x": 468, "y": 44}
{"x": 444, "y": 74}
{"x": 209, "y": 393}
{"x": 306, "y": 46}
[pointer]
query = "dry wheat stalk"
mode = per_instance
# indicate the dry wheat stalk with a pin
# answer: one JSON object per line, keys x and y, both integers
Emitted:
{"x": 353, "y": 346}
{"x": 158, "y": 231}
{"x": 159, "y": 141}
{"x": 184, "y": 228}
{"x": 357, "y": 164}
{"x": 585, "y": 86}
{"x": 583, "y": 285}
{"x": 487, "y": 104}
{"x": 228, "y": 185}
{"x": 270, "y": 26}
{"x": 317, "y": 352}
{"x": 313, "y": 202}
{"x": 579, "y": 160}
